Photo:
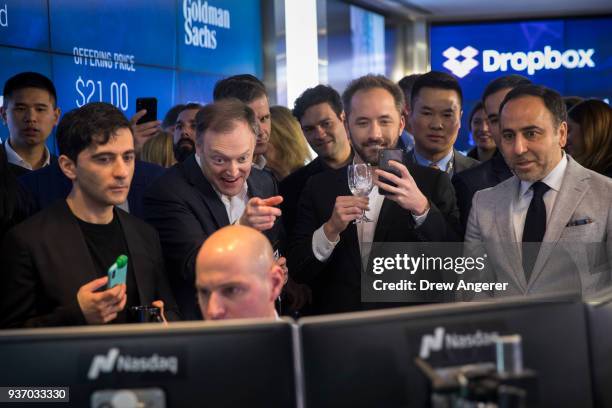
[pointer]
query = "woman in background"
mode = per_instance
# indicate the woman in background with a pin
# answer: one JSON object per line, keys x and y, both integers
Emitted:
{"x": 589, "y": 138}
{"x": 159, "y": 150}
{"x": 479, "y": 126}
{"x": 287, "y": 149}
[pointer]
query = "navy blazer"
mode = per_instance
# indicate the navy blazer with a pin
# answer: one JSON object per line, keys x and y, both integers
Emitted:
{"x": 185, "y": 209}
{"x": 49, "y": 184}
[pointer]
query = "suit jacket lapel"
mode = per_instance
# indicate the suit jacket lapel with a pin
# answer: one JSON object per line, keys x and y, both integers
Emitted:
{"x": 72, "y": 249}
{"x": 460, "y": 162}
{"x": 350, "y": 234}
{"x": 570, "y": 195}
{"x": 253, "y": 188}
{"x": 132, "y": 239}
{"x": 507, "y": 242}
{"x": 194, "y": 174}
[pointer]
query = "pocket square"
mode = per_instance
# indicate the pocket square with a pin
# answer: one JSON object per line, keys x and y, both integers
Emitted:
{"x": 582, "y": 221}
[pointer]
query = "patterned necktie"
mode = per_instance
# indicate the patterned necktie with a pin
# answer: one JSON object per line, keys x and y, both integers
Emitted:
{"x": 535, "y": 227}
{"x": 434, "y": 166}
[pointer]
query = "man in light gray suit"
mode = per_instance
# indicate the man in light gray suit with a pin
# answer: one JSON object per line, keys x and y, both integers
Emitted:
{"x": 547, "y": 228}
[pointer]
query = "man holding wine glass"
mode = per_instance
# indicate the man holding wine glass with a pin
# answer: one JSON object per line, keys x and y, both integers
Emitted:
{"x": 407, "y": 203}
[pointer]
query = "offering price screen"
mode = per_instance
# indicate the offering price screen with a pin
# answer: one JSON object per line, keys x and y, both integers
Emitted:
{"x": 116, "y": 51}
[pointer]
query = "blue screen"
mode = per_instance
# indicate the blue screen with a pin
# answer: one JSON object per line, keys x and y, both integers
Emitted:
{"x": 195, "y": 87}
{"x": 24, "y": 24}
{"x": 221, "y": 37}
{"x": 139, "y": 31}
{"x": 79, "y": 84}
{"x": 357, "y": 44}
{"x": 116, "y": 51}
{"x": 572, "y": 56}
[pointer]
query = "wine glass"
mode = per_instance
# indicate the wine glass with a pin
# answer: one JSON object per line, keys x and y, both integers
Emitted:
{"x": 360, "y": 183}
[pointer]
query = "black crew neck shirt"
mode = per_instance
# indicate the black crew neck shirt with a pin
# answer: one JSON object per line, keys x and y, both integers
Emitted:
{"x": 105, "y": 243}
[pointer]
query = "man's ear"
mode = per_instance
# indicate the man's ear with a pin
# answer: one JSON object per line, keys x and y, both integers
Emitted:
{"x": 402, "y": 124}
{"x": 57, "y": 112}
{"x": 3, "y": 114}
{"x": 67, "y": 166}
{"x": 277, "y": 281}
{"x": 562, "y": 134}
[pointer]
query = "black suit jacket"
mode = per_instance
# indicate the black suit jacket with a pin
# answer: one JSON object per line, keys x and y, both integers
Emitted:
{"x": 49, "y": 184}
{"x": 45, "y": 260}
{"x": 291, "y": 188}
{"x": 485, "y": 175}
{"x": 185, "y": 209}
{"x": 336, "y": 283}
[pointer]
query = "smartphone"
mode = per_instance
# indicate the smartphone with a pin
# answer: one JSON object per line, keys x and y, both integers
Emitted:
{"x": 117, "y": 272}
{"x": 150, "y": 104}
{"x": 384, "y": 156}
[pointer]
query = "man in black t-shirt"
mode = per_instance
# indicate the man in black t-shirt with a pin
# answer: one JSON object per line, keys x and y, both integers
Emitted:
{"x": 55, "y": 263}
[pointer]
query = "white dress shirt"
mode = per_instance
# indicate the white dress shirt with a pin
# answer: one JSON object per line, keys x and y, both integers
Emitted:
{"x": 520, "y": 204}
{"x": 13, "y": 157}
{"x": 445, "y": 164}
{"x": 323, "y": 247}
{"x": 260, "y": 162}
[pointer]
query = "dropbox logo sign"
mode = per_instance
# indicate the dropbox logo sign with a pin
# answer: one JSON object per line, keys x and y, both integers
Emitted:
{"x": 461, "y": 63}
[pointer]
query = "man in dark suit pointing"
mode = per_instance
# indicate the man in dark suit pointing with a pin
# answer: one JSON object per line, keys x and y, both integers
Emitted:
{"x": 211, "y": 189}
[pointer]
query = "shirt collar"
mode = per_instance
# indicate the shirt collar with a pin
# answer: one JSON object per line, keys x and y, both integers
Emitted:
{"x": 260, "y": 162}
{"x": 226, "y": 199}
{"x": 552, "y": 179}
{"x": 13, "y": 157}
{"x": 442, "y": 163}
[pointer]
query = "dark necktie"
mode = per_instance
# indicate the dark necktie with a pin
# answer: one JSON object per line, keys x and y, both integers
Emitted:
{"x": 535, "y": 227}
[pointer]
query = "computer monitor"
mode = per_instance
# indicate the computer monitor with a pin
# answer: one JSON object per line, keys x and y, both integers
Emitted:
{"x": 368, "y": 359}
{"x": 230, "y": 364}
{"x": 599, "y": 318}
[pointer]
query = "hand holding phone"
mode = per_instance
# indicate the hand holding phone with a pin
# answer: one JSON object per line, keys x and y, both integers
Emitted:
{"x": 150, "y": 105}
{"x": 404, "y": 190}
{"x": 100, "y": 307}
{"x": 384, "y": 156}
{"x": 117, "y": 273}
{"x": 144, "y": 123}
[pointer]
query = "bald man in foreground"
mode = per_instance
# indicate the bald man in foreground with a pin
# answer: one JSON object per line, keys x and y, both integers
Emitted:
{"x": 236, "y": 276}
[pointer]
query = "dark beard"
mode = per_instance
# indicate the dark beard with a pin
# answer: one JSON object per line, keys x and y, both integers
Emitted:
{"x": 183, "y": 148}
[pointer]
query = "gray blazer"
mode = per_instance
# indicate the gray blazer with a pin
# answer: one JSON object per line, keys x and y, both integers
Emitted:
{"x": 462, "y": 162}
{"x": 575, "y": 255}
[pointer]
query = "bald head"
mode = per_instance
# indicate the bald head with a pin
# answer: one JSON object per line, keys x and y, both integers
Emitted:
{"x": 236, "y": 275}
